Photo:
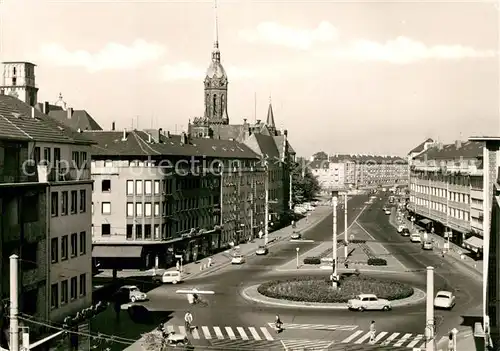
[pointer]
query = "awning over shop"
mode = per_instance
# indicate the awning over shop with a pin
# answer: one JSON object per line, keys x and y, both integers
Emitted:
{"x": 474, "y": 243}
{"x": 114, "y": 251}
{"x": 425, "y": 221}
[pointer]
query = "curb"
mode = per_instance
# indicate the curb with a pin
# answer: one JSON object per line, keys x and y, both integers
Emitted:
{"x": 246, "y": 293}
{"x": 273, "y": 243}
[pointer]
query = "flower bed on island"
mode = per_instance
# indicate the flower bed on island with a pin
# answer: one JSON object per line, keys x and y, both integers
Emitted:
{"x": 319, "y": 289}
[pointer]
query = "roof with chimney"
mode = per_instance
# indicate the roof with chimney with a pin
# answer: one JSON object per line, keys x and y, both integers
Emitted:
{"x": 20, "y": 121}
{"x": 457, "y": 150}
{"x": 141, "y": 143}
{"x": 420, "y": 147}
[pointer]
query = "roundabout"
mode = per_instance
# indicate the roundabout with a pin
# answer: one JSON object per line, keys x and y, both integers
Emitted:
{"x": 317, "y": 292}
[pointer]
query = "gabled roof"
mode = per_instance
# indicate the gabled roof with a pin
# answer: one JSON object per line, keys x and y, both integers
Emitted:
{"x": 467, "y": 149}
{"x": 267, "y": 146}
{"x": 17, "y": 122}
{"x": 279, "y": 140}
{"x": 110, "y": 143}
{"x": 80, "y": 119}
{"x": 420, "y": 147}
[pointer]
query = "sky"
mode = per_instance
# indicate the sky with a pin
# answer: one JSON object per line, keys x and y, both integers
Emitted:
{"x": 343, "y": 77}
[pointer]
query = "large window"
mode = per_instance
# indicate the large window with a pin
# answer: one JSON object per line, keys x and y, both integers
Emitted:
{"x": 157, "y": 187}
{"x": 83, "y": 200}
{"x": 147, "y": 209}
{"x": 64, "y": 292}
{"x": 138, "y": 209}
{"x": 64, "y": 247}
{"x": 83, "y": 243}
{"x": 54, "y": 295}
{"x": 64, "y": 203}
{"x": 83, "y": 285}
{"x": 54, "y": 250}
{"x": 74, "y": 201}
{"x": 157, "y": 209}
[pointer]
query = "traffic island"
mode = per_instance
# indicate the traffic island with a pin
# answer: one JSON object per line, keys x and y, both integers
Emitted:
{"x": 317, "y": 292}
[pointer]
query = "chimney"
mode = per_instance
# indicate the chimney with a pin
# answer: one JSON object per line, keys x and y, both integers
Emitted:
{"x": 440, "y": 146}
{"x": 70, "y": 112}
{"x": 458, "y": 144}
{"x": 285, "y": 133}
{"x": 46, "y": 107}
{"x": 183, "y": 138}
{"x": 32, "y": 112}
{"x": 168, "y": 134}
{"x": 113, "y": 126}
{"x": 124, "y": 137}
{"x": 258, "y": 121}
{"x": 160, "y": 131}
{"x": 244, "y": 121}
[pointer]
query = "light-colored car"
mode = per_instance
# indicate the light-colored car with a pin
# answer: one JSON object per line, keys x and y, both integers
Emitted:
{"x": 387, "y": 212}
{"x": 238, "y": 259}
{"x": 444, "y": 299}
{"x": 262, "y": 250}
{"x": 427, "y": 245}
{"x": 415, "y": 238}
{"x": 133, "y": 292}
{"x": 296, "y": 236}
{"x": 172, "y": 277}
{"x": 365, "y": 302}
{"x": 400, "y": 228}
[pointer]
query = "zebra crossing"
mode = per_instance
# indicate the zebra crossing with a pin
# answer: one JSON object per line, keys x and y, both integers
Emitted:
{"x": 327, "y": 327}
{"x": 224, "y": 333}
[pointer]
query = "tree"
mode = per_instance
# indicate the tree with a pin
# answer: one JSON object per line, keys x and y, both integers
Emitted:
{"x": 305, "y": 186}
{"x": 320, "y": 156}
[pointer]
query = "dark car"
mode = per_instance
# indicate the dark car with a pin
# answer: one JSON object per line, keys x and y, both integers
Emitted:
{"x": 405, "y": 232}
{"x": 296, "y": 235}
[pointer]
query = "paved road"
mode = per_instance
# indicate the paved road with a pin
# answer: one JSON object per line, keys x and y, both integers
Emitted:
{"x": 230, "y": 322}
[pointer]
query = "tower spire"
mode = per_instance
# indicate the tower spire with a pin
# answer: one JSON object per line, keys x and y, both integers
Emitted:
{"x": 216, "y": 52}
{"x": 216, "y": 34}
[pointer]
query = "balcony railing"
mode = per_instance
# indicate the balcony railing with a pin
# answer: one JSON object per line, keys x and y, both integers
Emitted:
{"x": 64, "y": 174}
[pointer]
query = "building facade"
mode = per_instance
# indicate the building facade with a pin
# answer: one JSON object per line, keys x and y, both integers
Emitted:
{"x": 45, "y": 196}
{"x": 158, "y": 195}
{"x": 330, "y": 175}
{"x": 443, "y": 183}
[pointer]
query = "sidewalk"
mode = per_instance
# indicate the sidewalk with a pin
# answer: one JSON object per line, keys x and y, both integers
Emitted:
{"x": 456, "y": 254}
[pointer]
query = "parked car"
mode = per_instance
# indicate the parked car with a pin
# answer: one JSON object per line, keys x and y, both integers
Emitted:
{"x": 364, "y": 302}
{"x": 444, "y": 299}
{"x": 172, "y": 277}
{"x": 296, "y": 236}
{"x": 262, "y": 250}
{"x": 130, "y": 293}
{"x": 415, "y": 238}
{"x": 387, "y": 212}
{"x": 238, "y": 259}
{"x": 405, "y": 232}
{"x": 400, "y": 228}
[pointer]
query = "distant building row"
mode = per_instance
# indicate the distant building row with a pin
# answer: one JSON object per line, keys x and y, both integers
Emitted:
{"x": 359, "y": 171}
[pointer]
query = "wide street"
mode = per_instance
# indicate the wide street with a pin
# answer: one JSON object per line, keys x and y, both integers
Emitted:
{"x": 231, "y": 322}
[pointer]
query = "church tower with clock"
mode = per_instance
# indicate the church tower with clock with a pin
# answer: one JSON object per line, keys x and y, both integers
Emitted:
{"x": 216, "y": 87}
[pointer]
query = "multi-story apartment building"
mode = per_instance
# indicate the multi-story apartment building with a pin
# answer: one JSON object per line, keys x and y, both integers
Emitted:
{"x": 361, "y": 171}
{"x": 330, "y": 175}
{"x": 441, "y": 191}
{"x": 45, "y": 197}
{"x": 157, "y": 195}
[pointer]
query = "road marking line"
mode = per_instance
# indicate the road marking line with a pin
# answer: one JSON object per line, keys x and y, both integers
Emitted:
{"x": 390, "y": 339}
{"x": 352, "y": 336}
{"x": 218, "y": 333}
{"x": 416, "y": 340}
{"x": 230, "y": 332}
{"x": 301, "y": 241}
{"x": 379, "y": 336}
{"x": 284, "y": 346}
{"x": 254, "y": 333}
{"x": 170, "y": 329}
{"x": 206, "y": 332}
{"x": 194, "y": 332}
{"x": 363, "y": 338}
{"x": 243, "y": 335}
{"x": 403, "y": 339}
{"x": 266, "y": 333}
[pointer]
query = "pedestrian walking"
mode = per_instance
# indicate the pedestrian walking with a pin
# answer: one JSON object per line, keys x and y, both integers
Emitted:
{"x": 372, "y": 332}
{"x": 188, "y": 320}
{"x": 450, "y": 342}
{"x": 178, "y": 266}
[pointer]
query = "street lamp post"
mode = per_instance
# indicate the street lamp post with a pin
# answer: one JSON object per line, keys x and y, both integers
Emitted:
{"x": 297, "y": 249}
{"x": 429, "y": 328}
{"x": 334, "y": 241}
{"x": 346, "y": 251}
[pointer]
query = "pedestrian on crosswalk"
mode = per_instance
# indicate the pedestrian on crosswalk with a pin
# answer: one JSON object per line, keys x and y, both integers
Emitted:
{"x": 372, "y": 332}
{"x": 188, "y": 320}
